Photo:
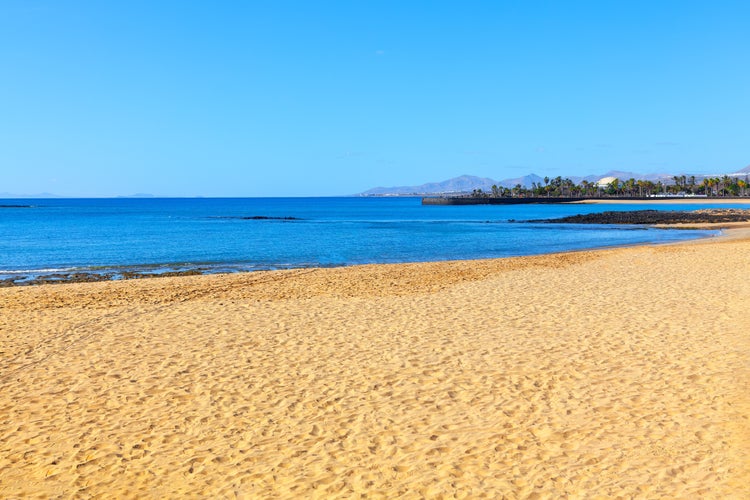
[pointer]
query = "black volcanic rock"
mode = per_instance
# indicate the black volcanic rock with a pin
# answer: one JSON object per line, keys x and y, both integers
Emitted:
{"x": 706, "y": 216}
{"x": 254, "y": 217}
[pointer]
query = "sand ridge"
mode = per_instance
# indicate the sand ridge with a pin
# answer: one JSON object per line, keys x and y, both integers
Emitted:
{"x": 614, "y": 373}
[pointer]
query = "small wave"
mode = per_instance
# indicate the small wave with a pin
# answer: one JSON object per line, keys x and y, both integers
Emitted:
{"x": 37, "y": 271}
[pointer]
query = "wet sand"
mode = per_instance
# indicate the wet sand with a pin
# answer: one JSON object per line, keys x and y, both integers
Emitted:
{"x": 612, "y": 373}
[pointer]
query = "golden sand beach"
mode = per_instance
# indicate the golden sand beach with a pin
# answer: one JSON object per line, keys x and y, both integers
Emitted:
{"x": 618, "y": 373}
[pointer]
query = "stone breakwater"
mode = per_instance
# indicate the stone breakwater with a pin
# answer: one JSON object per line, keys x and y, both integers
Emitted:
{"x": 704, "y": 216}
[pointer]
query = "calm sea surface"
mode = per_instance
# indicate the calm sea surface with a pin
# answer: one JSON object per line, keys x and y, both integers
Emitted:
{"x": 159, "y": 235}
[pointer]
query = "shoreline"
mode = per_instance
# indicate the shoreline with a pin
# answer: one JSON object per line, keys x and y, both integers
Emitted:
{"x": 614, "y": 372}
{"x": 667, "y": 201}
{"x": 725, "y": 231}
{"x": 657, "y": 200}
{"x": 84, "y": 276}
{"x": 117, "y": 274}
{"x": 24, "y": 275}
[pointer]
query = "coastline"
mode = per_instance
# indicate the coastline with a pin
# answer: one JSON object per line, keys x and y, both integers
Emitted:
{"x": 667, "y": 201}
{"x": 459, "y": 377}
{"x": 164, "y": 237}
{"x": 536, "y": 200}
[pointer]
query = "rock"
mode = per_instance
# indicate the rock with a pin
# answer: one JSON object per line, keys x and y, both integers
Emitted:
{"x": 704, "y": 216}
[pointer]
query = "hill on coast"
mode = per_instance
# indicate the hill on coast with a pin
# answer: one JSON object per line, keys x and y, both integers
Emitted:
{"x": 468, "y": 183}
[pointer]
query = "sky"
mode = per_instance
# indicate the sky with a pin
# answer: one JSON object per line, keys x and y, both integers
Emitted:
{"x": 325, "y": 98}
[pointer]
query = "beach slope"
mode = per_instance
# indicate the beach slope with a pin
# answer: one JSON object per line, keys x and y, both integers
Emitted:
{"x": 616, "y": 373}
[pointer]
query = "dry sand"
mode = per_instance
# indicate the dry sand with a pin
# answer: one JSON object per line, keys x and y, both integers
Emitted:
{"x": 614, "y": 373}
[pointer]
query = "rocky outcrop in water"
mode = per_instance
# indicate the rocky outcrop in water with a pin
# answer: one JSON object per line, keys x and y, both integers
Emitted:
{"x": 90, "y": 277}
{"x": 704, "y": 216}
{"x": 253, "y": 217}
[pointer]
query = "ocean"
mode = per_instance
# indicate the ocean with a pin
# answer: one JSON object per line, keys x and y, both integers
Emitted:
{"x": 155, "y": 235}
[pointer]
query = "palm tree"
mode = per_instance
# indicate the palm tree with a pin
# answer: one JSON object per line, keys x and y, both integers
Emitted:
{"x": 676, "y": 183}
{"x": 630, "y": 186}
{"x": 726, "y": 182}
{"x": 717, "y": 185}
{"x": 585, "y": 187}
{"x": 615, "y": 186}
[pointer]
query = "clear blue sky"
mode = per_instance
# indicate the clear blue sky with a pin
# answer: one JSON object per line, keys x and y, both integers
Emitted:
{"x": 281, "y": 98}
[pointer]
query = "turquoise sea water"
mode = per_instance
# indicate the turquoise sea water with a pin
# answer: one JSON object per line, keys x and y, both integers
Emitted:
{"x": 214, "y": 235}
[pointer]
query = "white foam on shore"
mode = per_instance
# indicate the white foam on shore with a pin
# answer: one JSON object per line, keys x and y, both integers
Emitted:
{"x": 34, "y": 271}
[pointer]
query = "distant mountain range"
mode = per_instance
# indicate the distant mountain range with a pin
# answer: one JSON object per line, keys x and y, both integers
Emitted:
{"x": 38, "y": 195}
{"x": 50, "y": 195}
{"x": 468, "y": 183}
